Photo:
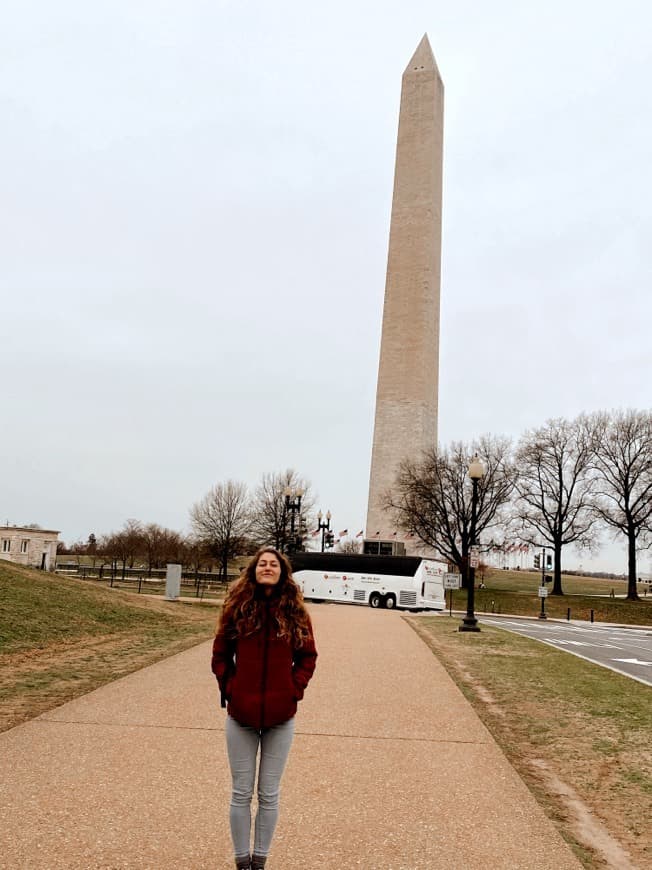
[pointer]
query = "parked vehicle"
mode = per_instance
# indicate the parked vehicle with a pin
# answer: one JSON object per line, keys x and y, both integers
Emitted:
{"x": 405, "y": 582}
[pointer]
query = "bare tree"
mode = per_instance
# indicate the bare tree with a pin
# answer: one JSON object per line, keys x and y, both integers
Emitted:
{"x": 153, "y": 542}
{"x": 160, "y": 546}
{"x": 132, "y": 536}
{"x": 123, "y": 546}
{"x": 350, "y": 545}
{"x": 271, "y": 520}
{"x": 623, "y": 462}
{"x": 193, "y": 554}
{"x": 108, "y": 551}
{"x": 432, "y": 496}
{"x": 222, "y": 520}
{"x": 172, "y": 549}
{"x": 555, "y": 488}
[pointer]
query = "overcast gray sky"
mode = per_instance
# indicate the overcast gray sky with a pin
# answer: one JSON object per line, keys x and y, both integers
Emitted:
{"x": 194, "y": 210}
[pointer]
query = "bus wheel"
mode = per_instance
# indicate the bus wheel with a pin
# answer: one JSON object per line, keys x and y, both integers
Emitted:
{"x": 390, "y": 602}
{"x": 375, "y": 600}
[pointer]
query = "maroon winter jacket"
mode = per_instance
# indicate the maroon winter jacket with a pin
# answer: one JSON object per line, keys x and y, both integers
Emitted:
{"x": 262, "y": 676}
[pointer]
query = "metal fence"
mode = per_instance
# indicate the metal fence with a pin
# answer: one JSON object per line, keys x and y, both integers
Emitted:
{"x": 200, "y": 584}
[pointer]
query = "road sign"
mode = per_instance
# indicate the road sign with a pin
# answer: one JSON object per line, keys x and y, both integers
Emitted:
{"x": 543, "y": 592}
{"x": 474, "y": 550}
{"x": 474, "y": 561}
{"x": 452, "y": 581}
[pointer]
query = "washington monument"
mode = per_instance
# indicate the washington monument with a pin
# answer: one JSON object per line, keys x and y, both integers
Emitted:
{"x": 408, "y": 372}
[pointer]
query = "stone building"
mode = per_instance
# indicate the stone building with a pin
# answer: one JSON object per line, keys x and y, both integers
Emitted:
{"x": 29, "y": 546}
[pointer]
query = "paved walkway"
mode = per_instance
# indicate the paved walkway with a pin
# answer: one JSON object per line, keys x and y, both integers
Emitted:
{"x": 390, "y": 769}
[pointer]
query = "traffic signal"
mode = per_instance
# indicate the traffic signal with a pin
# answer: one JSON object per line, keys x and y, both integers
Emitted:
{"x": 537, "y": 561}
{"x": 549, "y": 561}
{"x": 329, "y": 539}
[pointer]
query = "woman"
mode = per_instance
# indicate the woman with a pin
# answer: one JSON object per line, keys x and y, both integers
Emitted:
{"x": 263, "y": 657}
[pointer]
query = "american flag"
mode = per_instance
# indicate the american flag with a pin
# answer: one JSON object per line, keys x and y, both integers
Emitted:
{"x": 360, "y": 533}
{"x": 344, "y": 532}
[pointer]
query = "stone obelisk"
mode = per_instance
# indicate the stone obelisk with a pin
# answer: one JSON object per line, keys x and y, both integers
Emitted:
{"x": 408, "y": 372}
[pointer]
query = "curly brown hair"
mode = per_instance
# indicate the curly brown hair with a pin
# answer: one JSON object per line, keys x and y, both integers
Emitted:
{"x": 243, "y": 610}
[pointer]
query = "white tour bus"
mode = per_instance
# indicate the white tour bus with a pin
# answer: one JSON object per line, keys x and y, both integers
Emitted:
{"x": 407, "y": 582}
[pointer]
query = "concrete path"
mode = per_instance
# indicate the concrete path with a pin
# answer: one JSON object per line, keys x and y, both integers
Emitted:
{"x": 390, "y": 769}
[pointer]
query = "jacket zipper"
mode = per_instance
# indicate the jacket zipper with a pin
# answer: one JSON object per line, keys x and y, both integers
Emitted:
{"x": 264, "y": 674}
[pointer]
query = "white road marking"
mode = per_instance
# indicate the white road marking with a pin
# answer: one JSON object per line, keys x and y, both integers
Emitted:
{"x": 633, "y": 662}
{"x": 568, "y": 642}
{"x": 526, "y": 630}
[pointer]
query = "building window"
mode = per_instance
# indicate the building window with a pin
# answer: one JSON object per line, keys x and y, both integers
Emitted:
{"x": 23, "y": 546}
{"x": 6, "y": 544}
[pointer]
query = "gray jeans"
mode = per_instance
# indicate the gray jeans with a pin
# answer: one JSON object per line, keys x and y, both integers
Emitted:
{"x": 242, "y": 744}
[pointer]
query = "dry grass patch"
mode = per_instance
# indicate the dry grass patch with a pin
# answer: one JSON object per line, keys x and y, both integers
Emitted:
{"x": 579, "y": 735}
{"x": 60, "y": 638}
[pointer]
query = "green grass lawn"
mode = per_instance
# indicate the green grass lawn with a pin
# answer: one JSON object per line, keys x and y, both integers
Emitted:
{"x": 61, "y": 637}
{"x": 520, "y": 581}
{"x": 516, "y": 592}
{"x": 559, "y": 719}
{"x": 37, "y": 609}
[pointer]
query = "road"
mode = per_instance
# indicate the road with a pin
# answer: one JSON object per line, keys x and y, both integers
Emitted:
{"x": 625, "y": 650}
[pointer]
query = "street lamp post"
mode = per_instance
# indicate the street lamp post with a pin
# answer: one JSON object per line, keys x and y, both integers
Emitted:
{"x": 324, "y": 527}
{"x": 476, "y": 473}
{"x": 293, "y": 505}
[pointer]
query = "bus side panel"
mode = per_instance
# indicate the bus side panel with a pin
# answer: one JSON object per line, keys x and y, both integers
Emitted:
{"x": 357, "y": 589}
{"x": 333, "y": 587}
